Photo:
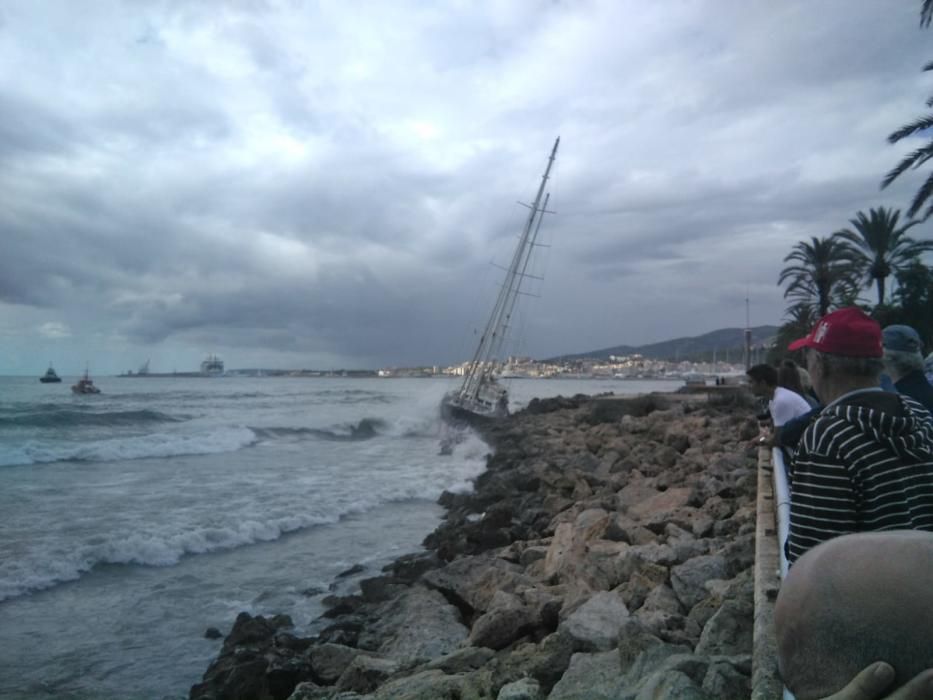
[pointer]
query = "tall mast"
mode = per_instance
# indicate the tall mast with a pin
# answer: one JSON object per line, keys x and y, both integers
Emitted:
{"x": 493, "y": 335}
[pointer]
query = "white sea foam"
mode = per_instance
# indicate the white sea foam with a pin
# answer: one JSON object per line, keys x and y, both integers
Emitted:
{"x": 45, "y": 568}
{"x": 152, "y": 538}
{"x": 213, "y": 441}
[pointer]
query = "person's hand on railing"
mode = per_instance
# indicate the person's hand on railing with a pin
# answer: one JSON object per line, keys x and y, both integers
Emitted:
{"x": 762, "y": 440}
{"x": 873, "y": 682}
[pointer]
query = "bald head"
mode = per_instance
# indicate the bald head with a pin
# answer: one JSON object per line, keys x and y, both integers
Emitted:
{"x": 854, "y": 600}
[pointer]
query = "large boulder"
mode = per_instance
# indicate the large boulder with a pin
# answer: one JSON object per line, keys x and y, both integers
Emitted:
{"x": 729, "y": 631}
{"x": 252, "y": 666}
{"x": 689, "y": 579}
{"x": 366, "y": 673}
{"x": 590, "y": 676}
{"x": 418, "y": 625}
{"x": 595, "y": 625}
{"x": 428, "y": 685}
{"x": 329, "y": 661}
{"x": 471, "y": 582}
{"x": 522, "y": 689}
{"x": 507, "y": 620}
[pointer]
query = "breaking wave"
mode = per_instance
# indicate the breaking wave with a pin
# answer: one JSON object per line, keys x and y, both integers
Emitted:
{"x": 56, "y": 417}
{"x": 217, "y": 440}
{"x": 365, "y": 429}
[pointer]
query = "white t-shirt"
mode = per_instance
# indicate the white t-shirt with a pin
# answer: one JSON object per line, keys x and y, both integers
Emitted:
{"x": 785, "y": 405}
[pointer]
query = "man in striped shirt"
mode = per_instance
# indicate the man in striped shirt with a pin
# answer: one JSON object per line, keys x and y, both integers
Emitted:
{"x": 866, "y": 462}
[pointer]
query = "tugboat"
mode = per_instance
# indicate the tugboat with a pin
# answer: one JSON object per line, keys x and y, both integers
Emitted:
{"x": 85, "y": 385}
{"x": 50, "y": 377}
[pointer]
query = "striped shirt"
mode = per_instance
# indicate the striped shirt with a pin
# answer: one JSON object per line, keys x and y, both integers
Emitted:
{"x": 866, "y": 463}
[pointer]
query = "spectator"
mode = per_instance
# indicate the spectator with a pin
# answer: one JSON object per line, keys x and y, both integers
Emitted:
{"x": 792, "y": 430}
{"x": 928, "y": 367}
{"x": 904, "y": 363}
{"x": 783, "y": 404}
{"x": 866, "y": 462}
{"x": 788, "y": 377}
{"x": 852, "y": 601}
{"x": 807, "y": 385}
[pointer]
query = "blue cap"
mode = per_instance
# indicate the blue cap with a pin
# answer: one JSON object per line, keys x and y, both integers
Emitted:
{"x": 901, "y": 338}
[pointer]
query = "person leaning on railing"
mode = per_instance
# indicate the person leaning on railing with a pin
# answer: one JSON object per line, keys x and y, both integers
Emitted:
{"x": 783, "y": 404}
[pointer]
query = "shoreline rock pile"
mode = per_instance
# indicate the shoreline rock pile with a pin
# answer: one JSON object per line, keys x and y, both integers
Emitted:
{"x": 606, "y": 553}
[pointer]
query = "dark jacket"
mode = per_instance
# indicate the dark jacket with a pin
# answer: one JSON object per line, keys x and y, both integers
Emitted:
{"x": 916, "y": 386}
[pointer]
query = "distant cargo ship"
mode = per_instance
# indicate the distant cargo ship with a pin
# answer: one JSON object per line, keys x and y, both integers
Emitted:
{"x": 212, "y": 366}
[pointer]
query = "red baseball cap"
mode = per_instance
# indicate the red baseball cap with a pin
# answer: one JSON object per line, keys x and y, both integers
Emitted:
{"x": 849, "y": 331}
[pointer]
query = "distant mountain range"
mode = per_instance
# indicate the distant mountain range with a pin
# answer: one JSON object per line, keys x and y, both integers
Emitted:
{"x": 724, "y": 342}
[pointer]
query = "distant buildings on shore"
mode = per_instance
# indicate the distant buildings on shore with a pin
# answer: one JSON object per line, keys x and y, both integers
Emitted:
{"x": 615, "y": 367}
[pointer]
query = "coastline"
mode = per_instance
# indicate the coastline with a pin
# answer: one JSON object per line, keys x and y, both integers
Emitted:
{"x": 607, "y": 551}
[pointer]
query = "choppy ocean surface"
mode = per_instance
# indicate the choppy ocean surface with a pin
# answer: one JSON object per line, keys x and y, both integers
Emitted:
{"x": 133, "y": 520}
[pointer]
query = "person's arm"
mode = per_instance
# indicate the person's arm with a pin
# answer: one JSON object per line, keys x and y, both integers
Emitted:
{"x": 822, "y": 504}
{"x": 873, "y": 682}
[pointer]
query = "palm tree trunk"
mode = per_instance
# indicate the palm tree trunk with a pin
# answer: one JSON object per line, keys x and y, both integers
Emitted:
{"x": 879, "y": 281}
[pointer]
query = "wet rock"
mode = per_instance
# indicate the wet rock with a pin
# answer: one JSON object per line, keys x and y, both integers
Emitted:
{"x": 213, "y": 633}
{"x": 352, "y": 571}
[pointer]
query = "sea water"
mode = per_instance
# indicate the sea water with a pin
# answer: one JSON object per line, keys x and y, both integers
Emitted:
{"x": 133, "y": 520}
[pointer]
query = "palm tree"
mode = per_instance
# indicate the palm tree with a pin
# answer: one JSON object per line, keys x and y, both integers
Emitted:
{"x": 825, "y": 273}
{"x": 799, "y": 320}
{"x": 881, "y": 248}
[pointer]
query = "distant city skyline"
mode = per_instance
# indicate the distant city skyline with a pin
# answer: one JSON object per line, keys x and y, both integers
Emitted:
{"x": 293, "y": 185}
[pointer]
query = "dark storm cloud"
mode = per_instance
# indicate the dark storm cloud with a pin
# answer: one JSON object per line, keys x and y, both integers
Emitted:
{"x": 322, "y": 185}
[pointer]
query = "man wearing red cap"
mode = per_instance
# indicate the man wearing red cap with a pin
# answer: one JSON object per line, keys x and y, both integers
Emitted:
{"x": 866, "y": 462}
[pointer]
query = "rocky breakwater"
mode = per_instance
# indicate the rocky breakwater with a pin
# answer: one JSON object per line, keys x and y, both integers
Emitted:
{"x": 606, "y": 553}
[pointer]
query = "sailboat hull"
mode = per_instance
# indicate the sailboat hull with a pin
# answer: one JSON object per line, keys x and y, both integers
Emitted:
{"x": 455, "y": 413}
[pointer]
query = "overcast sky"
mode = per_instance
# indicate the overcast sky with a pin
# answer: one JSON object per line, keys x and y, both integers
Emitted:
{"x": 326, "y": 184}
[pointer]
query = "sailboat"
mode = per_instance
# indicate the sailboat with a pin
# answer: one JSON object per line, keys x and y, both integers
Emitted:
{"x": 480, "y": 397}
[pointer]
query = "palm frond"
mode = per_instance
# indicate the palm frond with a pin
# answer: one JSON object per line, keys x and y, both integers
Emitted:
{"x": 917, "y": 125}
{"x": 913, "y": 159}
{"x": 926, "y": 13}
{"x": 923, "y": 194}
